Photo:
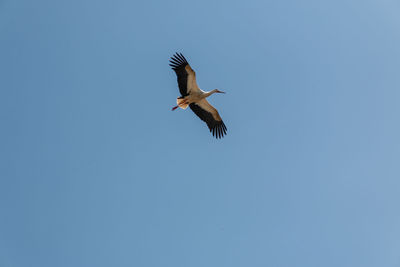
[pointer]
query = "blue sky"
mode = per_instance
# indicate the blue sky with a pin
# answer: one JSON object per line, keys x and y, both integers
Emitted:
{"x": 97, "y": 171}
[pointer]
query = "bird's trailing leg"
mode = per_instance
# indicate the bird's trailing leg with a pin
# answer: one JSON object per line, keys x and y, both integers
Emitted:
{"x": 182, "y": 103}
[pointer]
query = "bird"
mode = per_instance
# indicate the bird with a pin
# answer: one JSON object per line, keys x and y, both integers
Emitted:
{"x": 194, "y": 97}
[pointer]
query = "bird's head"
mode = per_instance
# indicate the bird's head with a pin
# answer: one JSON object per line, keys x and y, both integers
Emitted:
{"x": 218, "y": 91}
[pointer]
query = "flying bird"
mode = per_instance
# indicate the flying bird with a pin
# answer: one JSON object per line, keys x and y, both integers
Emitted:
{"x": 194, "y": 97}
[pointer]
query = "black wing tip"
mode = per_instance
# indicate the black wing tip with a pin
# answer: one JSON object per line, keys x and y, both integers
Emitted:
{"x": 219, "y": 130}
{"x": 217, "y": 127}
{"x": 178, "y": 60}
{"x": 179, "y": 55}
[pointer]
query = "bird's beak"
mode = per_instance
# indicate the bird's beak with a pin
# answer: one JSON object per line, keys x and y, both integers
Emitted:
{"x": 221, "y": 92}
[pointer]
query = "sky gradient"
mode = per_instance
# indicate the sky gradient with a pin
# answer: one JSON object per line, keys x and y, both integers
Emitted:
{"x": 95, "y": 170}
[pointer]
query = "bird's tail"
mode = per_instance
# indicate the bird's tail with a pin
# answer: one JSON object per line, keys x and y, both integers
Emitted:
{"x": 179, "y": 102}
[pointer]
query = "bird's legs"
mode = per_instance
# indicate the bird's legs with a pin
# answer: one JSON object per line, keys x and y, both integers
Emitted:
{"x": 180, "y": 104}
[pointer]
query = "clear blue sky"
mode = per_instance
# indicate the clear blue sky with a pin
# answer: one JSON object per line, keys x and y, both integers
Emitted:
{"x": 97, "y": 171}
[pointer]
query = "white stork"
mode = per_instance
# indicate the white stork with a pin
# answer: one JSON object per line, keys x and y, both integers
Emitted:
{"x": 194, "y": 97}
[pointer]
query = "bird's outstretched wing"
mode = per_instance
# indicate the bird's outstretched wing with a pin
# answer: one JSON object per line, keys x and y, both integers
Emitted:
{"x": 185, "y": 74}
{"x": 210, "y": 115}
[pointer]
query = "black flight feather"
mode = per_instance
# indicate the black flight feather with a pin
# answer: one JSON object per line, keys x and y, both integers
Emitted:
{"x": 217, "y": 128}
{"x": 178, "y": 64}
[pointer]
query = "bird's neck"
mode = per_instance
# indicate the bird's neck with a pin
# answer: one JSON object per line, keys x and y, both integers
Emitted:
{"x": 207, "y": 94}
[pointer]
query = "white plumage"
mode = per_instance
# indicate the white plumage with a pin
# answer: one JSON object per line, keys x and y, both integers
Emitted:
{"x": 194, "y": 97}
